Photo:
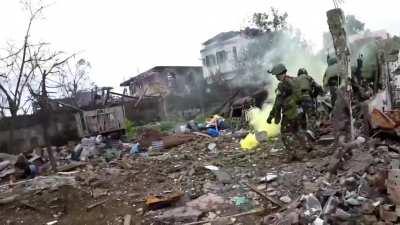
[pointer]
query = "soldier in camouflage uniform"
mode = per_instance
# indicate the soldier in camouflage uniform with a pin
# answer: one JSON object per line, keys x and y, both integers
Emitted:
{"x": 286, "y": 105}
{"x": 308, "y": 90}
{"x": 331, "y": 80}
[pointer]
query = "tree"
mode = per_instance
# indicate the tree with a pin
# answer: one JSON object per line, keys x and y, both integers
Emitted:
{"x": 270, "y": 21}
{"x": 2, "y": 106}
{"x": 74, "y": 77}
{"x": 353, "y": 25}
{"x": 49, "y": 66}
{"x": 17, "y": 71}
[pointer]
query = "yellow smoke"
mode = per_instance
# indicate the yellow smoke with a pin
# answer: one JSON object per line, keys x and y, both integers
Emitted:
{"x": 258, "y": 121}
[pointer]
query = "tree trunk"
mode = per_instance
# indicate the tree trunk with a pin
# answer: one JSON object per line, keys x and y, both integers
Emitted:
{"x": 336, "y": 22}
{"x": 11, "y": 137}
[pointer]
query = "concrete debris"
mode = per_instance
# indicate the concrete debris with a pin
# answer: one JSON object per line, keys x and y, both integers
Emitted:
{"x": 8, "y": 199}
{"x": 193, "y": 209}
{"x": 99, "y": 192}
{"x": 286, "y": 199}
{"x": 196, "y": 180}
{"x": 41, "y": 183}
{"x": 207, "y": 202}
{"x": 127, "y": 219}
{"x": 180, "y": 214}
{"x": 4, "y": 164}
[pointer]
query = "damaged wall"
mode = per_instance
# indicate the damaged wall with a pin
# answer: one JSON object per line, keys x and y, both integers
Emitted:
{"x": 178, "y": 91}
{"x": 147, "y": 111}
{"x": 29, "y": 131}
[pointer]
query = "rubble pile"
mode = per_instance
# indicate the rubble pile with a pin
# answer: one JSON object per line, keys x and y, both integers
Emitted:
{"x": 203, "y": 180}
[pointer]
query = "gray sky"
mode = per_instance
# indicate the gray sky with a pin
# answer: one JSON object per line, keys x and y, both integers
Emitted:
{"x": 122, "y": 37}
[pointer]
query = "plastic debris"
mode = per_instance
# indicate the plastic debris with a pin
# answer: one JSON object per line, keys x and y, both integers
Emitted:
{"x": 211, "y": 167}
{"x": 211, "y": 146}
{"x": 240, "y": 201}
{"x": 312, "y": 205}
{"x": 249, "y": 142}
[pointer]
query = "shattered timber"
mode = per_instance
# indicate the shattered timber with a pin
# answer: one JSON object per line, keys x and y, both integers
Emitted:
{"x": 231, "y": 168}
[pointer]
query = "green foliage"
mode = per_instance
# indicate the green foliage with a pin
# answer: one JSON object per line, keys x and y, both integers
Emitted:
{"x": 131, "y": 129}
{"x": 270, "y": 21}
{"x": 166, "y": 126}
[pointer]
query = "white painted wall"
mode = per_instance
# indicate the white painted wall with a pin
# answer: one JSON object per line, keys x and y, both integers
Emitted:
{"x": 229, "y": 66}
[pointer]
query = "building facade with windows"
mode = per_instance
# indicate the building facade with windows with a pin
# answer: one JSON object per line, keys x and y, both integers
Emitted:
{"x": 221, "y": 53}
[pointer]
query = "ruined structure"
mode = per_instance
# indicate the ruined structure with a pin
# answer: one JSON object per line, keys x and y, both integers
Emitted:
{"x": 221, "y": 53}
{"x": 179, "y": 89}
{"x": 91, "y": 112}
{"x": 30, "y": 131}
{"x": 366, "y": 73}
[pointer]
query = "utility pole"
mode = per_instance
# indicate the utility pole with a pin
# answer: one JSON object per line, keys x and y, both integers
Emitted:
{"x": 336, "y": 22}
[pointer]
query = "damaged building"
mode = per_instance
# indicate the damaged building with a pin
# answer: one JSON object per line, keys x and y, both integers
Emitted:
{"x": 179, "y": 90}
{"x": 91, "y": 112}
{"x": 221, "y": 54}
{"x": 222, "y": 58}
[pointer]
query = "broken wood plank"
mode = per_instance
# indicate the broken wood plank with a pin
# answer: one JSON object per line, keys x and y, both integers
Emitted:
{"x": 276, "y": 202}
{"x": 202, "y": 134}
{"x": 89, "y": 207}
{"x": 70, "y": 166}
{"x": 52, "y": 159}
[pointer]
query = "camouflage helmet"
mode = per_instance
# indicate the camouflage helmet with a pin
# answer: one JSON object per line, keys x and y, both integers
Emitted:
{"x": 278, "y": 69}
{"x": 302, "y": 71}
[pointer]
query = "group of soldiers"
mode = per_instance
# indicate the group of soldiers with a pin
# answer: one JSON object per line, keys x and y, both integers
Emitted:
{"x": 295, "y": 108}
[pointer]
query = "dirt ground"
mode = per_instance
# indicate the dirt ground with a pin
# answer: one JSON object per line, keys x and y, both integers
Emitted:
{"x": 122, "y": 185}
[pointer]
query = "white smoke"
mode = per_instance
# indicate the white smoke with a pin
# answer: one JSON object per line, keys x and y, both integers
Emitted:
{"x": 285, "y": 47}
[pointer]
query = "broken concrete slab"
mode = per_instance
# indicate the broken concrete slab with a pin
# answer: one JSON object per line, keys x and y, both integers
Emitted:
{"x": 285, "y": 199}
{"x": 7, "y": 172}
{"x": 223, "y": 176}
{"x": 207, "y": 202}
{"x": 359, "y": 163}
{"x": 8, "y": 199}
{"x": 98, "y": 192}
{"x": 127, "y": 219}
{"x": 4, "y": 164}
{"x": 180, "y": 214}
{"x": 49, "y": 182}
